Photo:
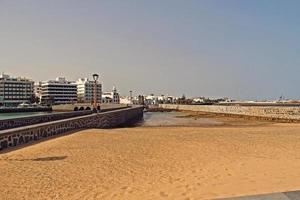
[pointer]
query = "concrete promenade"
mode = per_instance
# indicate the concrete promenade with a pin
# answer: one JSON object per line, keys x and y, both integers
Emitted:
{"x": 27, "y": 121}
{"x": 110, "y": 119}
{"x": 14, "y": 109}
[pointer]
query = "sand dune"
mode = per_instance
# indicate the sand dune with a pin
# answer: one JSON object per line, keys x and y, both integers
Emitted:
{"x": 156, "y": 163}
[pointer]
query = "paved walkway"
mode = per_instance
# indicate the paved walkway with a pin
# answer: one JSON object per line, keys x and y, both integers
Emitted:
{"x": 276, "y": 196}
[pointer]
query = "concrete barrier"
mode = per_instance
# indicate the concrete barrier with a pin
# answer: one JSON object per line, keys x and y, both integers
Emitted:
{"x": 27, "y": 134}
{"x": 271, "y": 112}
{"x": 36, "y": 109}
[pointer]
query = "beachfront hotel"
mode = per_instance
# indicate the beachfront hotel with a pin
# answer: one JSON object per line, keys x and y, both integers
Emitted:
{"x": 58, "y": 91}
{"x": 85, "y": 90}
{"x": 15, "y": 90}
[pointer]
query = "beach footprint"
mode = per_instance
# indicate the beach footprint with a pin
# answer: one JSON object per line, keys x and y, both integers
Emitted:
{"x": 163, "y": 194}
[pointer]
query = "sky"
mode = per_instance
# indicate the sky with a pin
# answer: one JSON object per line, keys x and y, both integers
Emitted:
{"x": 243, "y": 49}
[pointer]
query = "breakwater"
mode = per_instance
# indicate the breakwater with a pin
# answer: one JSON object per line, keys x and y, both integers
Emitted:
{"x": 27, "y": 134}
{"x": 284, "y": 113}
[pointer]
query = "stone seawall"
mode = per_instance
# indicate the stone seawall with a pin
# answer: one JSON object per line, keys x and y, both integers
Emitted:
{"x": 27, "y": 134}
{"x": 25, "y": 121}
{"x": 267, "y": 112}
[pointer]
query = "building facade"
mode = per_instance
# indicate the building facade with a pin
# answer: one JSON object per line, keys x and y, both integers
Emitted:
{"x": 85, "y": 91}
{"x": 38, "y": 92}
{"x": 126, "y": 100}
{"x": 59, "y": 91}
{"x": 111, "y": 97}
{"x": 15, "y": 91}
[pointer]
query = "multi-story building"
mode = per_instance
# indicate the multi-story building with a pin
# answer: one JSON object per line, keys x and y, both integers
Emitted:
{"x": 15, "y": 91}
{"x": 85, "y": 91}
{"x": 111, "y": 97}
{"x": 59, "y": 91}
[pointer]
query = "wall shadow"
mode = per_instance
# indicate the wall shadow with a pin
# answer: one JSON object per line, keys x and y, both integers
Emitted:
{"x": 49, "y": 158}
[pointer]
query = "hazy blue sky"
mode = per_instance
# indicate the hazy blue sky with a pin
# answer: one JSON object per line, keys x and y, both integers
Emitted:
{"x": 241, "y": 49}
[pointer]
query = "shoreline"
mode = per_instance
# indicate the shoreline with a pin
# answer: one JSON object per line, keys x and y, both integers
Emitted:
{"x": 237, "y": 116}
{"x": 268, "y": 113}
{"x": 190, "y": 119}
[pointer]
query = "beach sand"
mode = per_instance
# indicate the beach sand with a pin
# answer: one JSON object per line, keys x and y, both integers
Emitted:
{"x": 156, "y": 163}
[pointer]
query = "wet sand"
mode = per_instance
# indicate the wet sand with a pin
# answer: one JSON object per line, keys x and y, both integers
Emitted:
{"x": 156, "y": 163}
{"x": 198, "y": 119}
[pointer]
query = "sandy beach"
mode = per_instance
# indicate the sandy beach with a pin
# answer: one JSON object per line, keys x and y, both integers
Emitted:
{"x": 156, "y": 163}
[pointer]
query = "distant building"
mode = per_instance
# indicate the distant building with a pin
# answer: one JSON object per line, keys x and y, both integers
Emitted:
{"x": 15, "y": 91}
{"x": 59, "y": 91}
{"x": 38, "y": 91}
{"x": 126, "y": 100}
{"x": 198, "y": 100}
{"x": 111, "y": 97}
{"x": 138, "y": 100}
{"x": 155, "y": 100}
{"x": 151, "y": 99}
{"x": 85, "y": 91}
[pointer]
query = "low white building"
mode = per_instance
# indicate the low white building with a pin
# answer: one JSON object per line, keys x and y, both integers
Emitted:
{"x": 154, "y": 100}
{"x": 126, "y": 100}
{"x": 151, "y": 99}
{"x": 59, "y": 91}
{"x": 111, "y": 97}
{"x": 199, "y": 100}
{"x": 85, "y": 91}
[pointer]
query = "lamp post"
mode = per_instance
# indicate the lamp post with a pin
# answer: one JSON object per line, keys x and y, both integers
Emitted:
{"x": 95, "y": 77}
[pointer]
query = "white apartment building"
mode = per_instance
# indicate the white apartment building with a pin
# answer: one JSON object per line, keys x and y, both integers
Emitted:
{"x": 14, "y": 91}
{"x": 59, "y": 91}
{"x": 85, "y": 91}
{"x": 111, "y": 97}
